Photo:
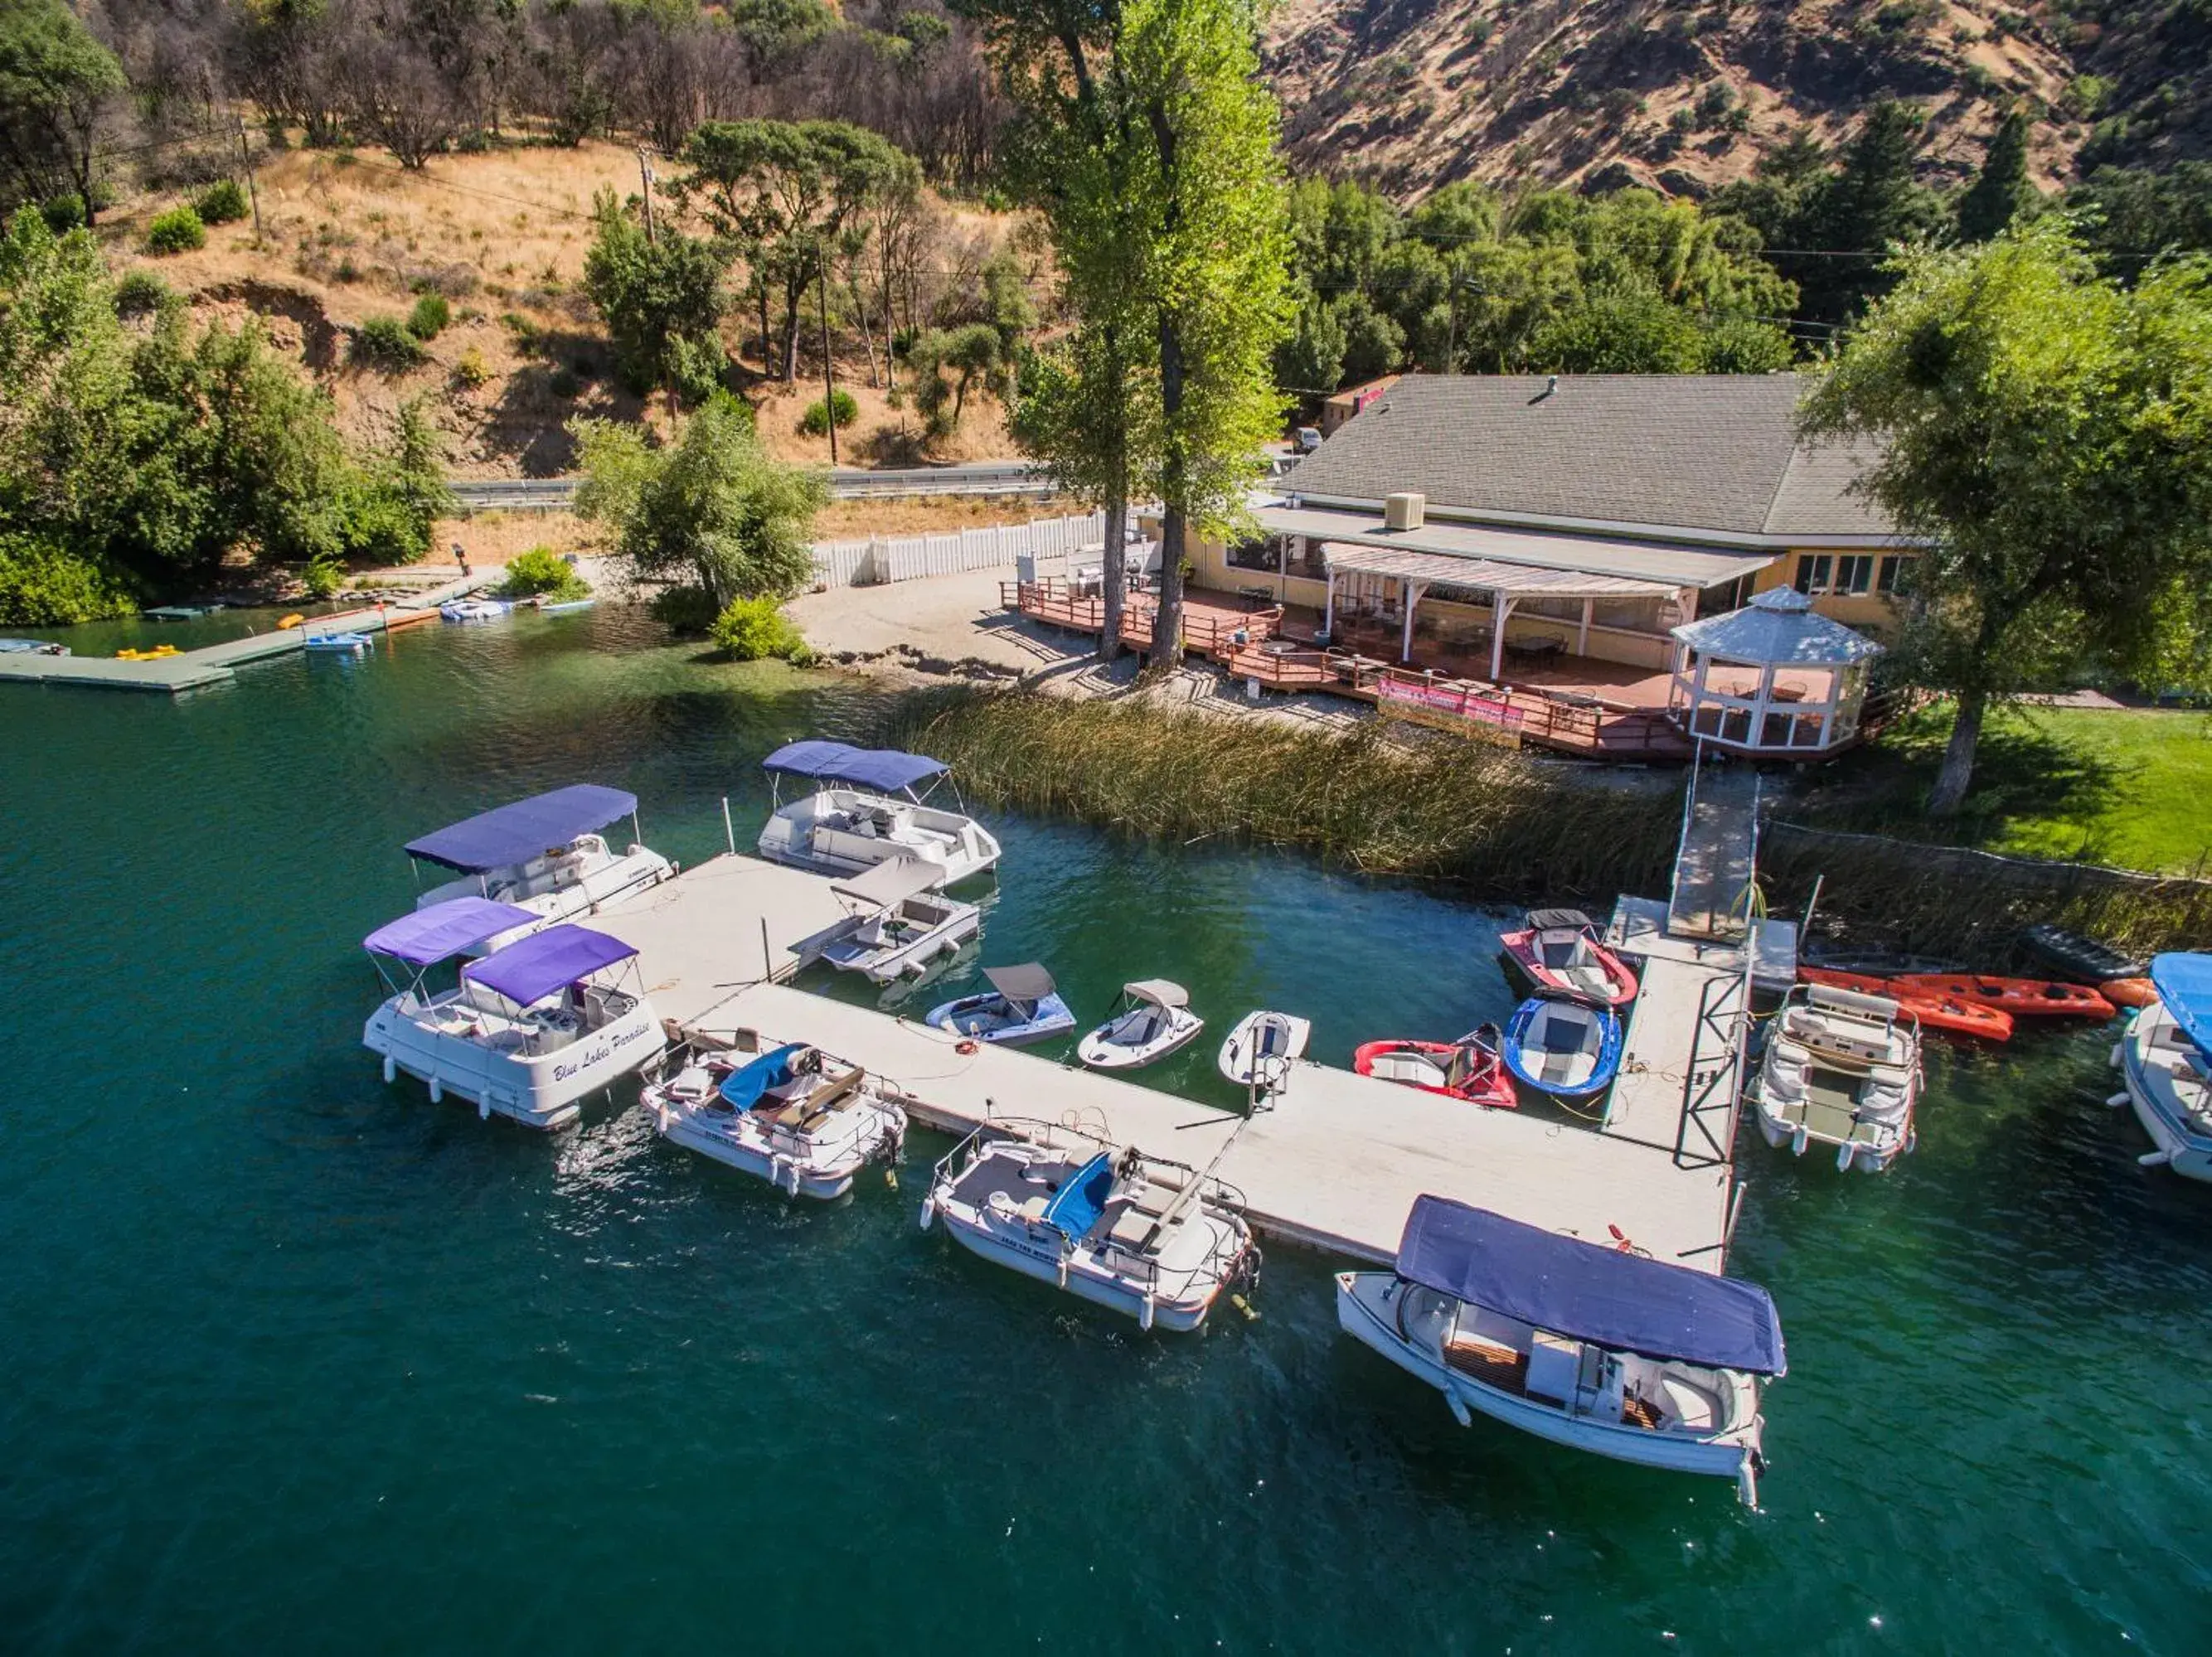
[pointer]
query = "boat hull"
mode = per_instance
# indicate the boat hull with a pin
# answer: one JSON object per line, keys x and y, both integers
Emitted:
{"x": 823, "y": 1179}
{"x": 1015, "y": 1248}
{"x": 2154, "y": 1095}
{"x": 1523, "y": 950}
{"x": 1513, "y": 1051}
{"x": 1099, "y": 1054}
{"x": 805, "y": 835}
{"x": 958, "y": 1018}
{"x": 545, "y": 1091}
{"x": 1494, "y": 1090}
{"x": 1271, "y": 1041}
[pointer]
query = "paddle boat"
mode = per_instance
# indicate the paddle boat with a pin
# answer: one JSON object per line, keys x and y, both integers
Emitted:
{"x": 530, "y": 1029}
{"x": 1841, "y": 1069}
{"x": 866, "y": 810}
{"x": 2164, "y": 1061}
{"x": 1151, "y": 1239}
{"x": 1562, "y": 1047}
{"x": 1936, "y": 1012}
{"x": 32, "y": 647}
{"x": 804, "y": 1121}
{"x": 543, "y": 854}
{"x": 1021, "y": 1005}
{"x": 896, "y": 923}
{"x": 1261, "y": 1048}
{"x": 474, "y": 610}
{"x": 1470, "y": 1068}
{"x": 1559, "y": 949}
{"x": 2029, "y": 996}
{"x": 349, "y": 644}
{"x": 1153, "y": 1020}
{"x": 1588, "y": 1347}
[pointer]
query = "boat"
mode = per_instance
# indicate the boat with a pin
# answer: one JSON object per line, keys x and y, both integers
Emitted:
{"x": 543, "y": 854}
{"x": 1947, "y": 1013}
{"x": 1840, "y": 1069}
{"x": 474, "y": 610}
{"x": 1021, "y": 1005}
{"x": 1151, "y": 1239}
{"x": 1261, "y": 1048}
{"x": 2084, "y": 960}
{"x": 178, "y": 612}
{"x": 1558, "y": 949}
{"x": 2129, "y": 991}
{"x": 32, "y": 647}
{"x": 565, "y": 606}
{"x": 351, "y": 644}
{"x": 1153, "y": 1020}
{"x": 2164, "y": 1061}
{"x": 1584, "y": 1346}
{"x": 2020, "y": 996}
{"x": 1471, "y": 1068}
{"x": 1562, "y": 1047}
{"x": 805, "y": 1121}
{"x": 530, "y": 1029}
{"x": 895, "y": 924}
{"x": 866, "y": 810}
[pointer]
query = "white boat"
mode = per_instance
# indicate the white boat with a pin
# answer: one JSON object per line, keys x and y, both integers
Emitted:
{"x": 1153, "y": 1240}
{"x": 1021, "y": 1005}
{"x": 1585, "y": 1345}
{"x": 1154, "y": 1019}
{"x": 543, "y": 854}
{"x": 866, "y": 810}
{"x": 474, "y": 610}
{"x": 1841, "y": 1069}
{"x": 531, "y": 1029}
{"x": 2165, "y": 1060}
{"x": 804, "y": 1121}
{"x": 1261, "y": 1048}
{"x": 896, "y": 923}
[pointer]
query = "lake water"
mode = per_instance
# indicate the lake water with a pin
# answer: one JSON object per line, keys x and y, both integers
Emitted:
{"x": 297, "y": 1361}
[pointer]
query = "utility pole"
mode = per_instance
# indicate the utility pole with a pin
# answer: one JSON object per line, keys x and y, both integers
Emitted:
{"x": 829, "y": 377}
{"x": 246, "y": 161}
{"x": 645, "y": 179}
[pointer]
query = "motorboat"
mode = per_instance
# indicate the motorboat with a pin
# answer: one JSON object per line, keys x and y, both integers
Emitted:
{"x": 2040, "y": 997}
{"x": 1471, "y": 1068}
{"x": 1559, "y": 949}
{"x": 474, "y": 610}
{"x": 1151, "y": 1239}
{"x": 1261, "y": 1048}
{"x": 2164, "y": 1061}
{"x": 349, "y": 644}
{"x": 1021, "y": 1005}
{"x": 896, "y": 923}
{"x": 543, "y": 854}
{"x": 1936, "y": 1012}
{"x": 805, "y": 1121}
{"x": 1840, "y": 1069}
{"x": 868, "y": 806}
{"x": 1153, "y": 1020}
{"x": 1563, "y": 1046}
{"x": 530, "y": 1029}
{"x": 1592, "y": 1347}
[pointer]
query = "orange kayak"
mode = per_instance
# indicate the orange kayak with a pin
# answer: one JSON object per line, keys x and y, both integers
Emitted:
{"x": 1947, "y": 1013}
{"x": 2017, "y": 996}
{"x": 2128, "y": 992}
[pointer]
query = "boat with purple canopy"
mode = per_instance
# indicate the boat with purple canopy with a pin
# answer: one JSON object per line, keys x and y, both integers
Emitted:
{"x": 528, "y": 1031}
{"x": 544, "y": 855}
{"x": 1593, "y": 1347}
{"x": 869, "y": 805}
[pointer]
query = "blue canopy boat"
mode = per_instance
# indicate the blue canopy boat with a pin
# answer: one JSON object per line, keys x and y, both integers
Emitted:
{"x": 1594, "y": 1347}
{"x": 1560, "y": 1046}
{"x": 2165, "y": 1060}
{"x": 868, "y": 805}
{"x": 544, "y": 853}
{"x": 1021, "y": 1005}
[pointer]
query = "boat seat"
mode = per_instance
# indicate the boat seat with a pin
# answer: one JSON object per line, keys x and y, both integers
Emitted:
{"x": 1685, "y": 1404}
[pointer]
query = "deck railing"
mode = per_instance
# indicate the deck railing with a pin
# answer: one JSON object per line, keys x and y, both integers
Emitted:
{"x": 1534, "y": 715}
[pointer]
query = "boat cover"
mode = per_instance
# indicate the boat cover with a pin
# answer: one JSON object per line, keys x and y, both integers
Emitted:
{"x": 509, "y": 835}
{"x": 1028, "y": 983}
{"x": 1077, "y": 1204}
{"x": 2183, "y": 978}
{"x": 1548, "y": 920}
{"x": 885, "y": 770}
{"x": 892, "y": 880}
{"x": 529, "y": 970}
{"x": 742, "y": 1089}
{"x": 444, "y": 929}
{"x": 1159, "y": 991}
{"x": 1587, "y": 1292}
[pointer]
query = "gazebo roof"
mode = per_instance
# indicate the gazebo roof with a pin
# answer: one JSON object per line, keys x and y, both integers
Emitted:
{"x": 1778, "y": 627}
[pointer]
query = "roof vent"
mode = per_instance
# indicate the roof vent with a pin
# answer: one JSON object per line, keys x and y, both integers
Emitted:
{"x": 1405, "y": 512}
{"x": 1551, "y": 384}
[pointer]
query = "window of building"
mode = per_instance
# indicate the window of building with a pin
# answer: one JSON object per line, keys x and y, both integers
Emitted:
{"x": 1893, "y": 570}
{"x": 1306, "y": 560}
{"x": 1853, "y": 574}
{"x": 1259, "y": 552}
{"x": 1812, "y": 571}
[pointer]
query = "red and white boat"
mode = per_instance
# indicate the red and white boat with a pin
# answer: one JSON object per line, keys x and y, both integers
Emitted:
{"x": 1558, "y": 949}
{"x": 1467, "y": 1069}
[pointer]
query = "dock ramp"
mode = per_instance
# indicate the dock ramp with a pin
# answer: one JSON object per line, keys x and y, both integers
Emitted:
{"x": 1714, "y": 863}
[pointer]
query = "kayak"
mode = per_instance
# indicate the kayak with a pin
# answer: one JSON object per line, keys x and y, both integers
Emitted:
{"x": 2129, "y": 991}
{"x": 2081, "y": 959}
{"x": 2036, "y": 997}
{"x": 1465, "y": 1069}
{"x": 1948, "y": 1013}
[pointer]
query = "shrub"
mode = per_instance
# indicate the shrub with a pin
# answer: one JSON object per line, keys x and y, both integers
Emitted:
{"x": 683, "y": 610}
{"x": 177, "y": 231}
{"x": 470, "y": 371}
{"x": 220, "y": 202}
{"x": 542, "y": 571}
{"x": 815, "y": 422}
{"x": 139, "y": 293}
{"x": 429, "y": 317}
{"x": 347, "y": 270}
{"x": 63, "y": 214}
{"x": 383, "y": 344}
{"x": 323, "y": 575}
{"x": 751, "y": 630}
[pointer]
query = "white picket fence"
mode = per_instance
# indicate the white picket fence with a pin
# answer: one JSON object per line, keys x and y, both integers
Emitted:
{"x": 908, "y": 557}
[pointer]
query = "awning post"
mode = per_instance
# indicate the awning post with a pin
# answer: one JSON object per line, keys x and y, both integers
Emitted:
{"x": 1501, "y": 610}
{"x": 1328, "y": 614}
{"x": 1410, "y": 592}
{"x": 1582, "y": 636}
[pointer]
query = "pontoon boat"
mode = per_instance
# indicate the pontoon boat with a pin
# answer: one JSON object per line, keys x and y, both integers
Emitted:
{"x": 1841, "y": 1069}
{"x": 2166, "y": 1061}
{"x": 865, "y": 810}
{"x": 542, "y": 853}
{"x": 1153, "y": 1021}
{"x": 895, "y": 923}
{"x": 1598, "y": 1350}
{"x": 1021, "y": 1005}
{"x": 802, "y": 1120}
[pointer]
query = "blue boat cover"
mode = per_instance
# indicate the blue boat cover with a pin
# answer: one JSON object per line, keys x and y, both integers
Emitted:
{"x": 2183, "y": 980}
{"x": 1076, "y": 1205}
{"x": 450, "y": 928}
{"x": 1589, "y": 1292}
{"x": 531, "y": 968}
{"x": 742, "y": 1089}
{"x": 508, "y": 834}
{"x": 885, "y": 769}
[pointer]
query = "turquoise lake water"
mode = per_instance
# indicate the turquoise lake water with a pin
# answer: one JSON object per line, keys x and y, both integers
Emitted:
{"x": 297, "y": 1361}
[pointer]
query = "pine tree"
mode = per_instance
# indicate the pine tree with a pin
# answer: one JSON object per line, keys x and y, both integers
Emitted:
{"x": 2001, "y": 190}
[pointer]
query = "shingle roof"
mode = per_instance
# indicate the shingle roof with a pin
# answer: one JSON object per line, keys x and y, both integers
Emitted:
{"x": 1690, "y": 452}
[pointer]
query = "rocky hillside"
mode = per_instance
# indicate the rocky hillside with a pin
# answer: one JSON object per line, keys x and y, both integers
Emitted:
{"x": 1682, "y": 94}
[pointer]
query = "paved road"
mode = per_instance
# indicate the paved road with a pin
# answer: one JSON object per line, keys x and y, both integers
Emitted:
{"x": 974, "y": 477}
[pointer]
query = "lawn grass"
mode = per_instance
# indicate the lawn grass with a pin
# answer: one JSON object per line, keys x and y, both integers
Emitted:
{"x": 2130, "y": 787}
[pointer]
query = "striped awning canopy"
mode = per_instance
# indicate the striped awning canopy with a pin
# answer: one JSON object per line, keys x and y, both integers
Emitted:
{"x": 1489, "y": 574}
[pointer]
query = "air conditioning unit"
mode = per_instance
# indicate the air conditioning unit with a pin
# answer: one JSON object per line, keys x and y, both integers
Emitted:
{"x": 1403, "y": 512}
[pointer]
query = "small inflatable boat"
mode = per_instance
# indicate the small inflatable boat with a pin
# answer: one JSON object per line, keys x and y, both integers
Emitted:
{"x": 1561, "y": 1046}
{"x": 473, "y": 610}
{"x": 2084, "y": 960}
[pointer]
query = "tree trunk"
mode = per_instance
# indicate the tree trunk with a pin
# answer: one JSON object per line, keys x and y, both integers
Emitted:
{"x": 768, "y": 340}
{"x": 1958, "y": 770}
{"x": 791, "y": 335}
{"x": 1113, "y": 573}
{"x": 1167, "y": 622}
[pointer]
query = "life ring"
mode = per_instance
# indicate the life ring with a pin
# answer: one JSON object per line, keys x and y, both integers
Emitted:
{"x": 965, "y": 1046}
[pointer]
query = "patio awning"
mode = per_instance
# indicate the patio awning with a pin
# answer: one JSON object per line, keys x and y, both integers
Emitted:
{"x": 1517, "y": 580}
{"x": 1592, "y": 550}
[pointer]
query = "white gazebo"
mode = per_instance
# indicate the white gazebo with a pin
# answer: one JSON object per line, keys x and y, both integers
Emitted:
{"x": 1772, "y": 678}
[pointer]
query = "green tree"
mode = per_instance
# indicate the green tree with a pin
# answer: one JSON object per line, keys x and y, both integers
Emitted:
{"x": 57, "y": 84}
{"x": 946, "y": 364}
{"x": 1626, "y": 329}
{"x": 1872, "y": 206}
{"x": 2048, "y": 433}
{"x": 663, "y": 301}
{"x": 2000, "y": 191}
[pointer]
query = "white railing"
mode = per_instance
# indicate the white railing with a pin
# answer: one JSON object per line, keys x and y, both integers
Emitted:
{"x": 908, "y": 557}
